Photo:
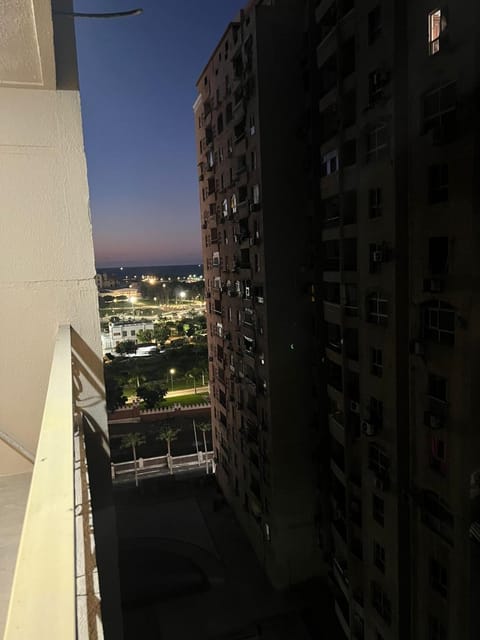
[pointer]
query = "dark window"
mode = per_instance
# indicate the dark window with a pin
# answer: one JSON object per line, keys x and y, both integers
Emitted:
{"x": 351, "y": 300}
{"x": 436, "y": 630}
{"x": 374, "y": 24}
{"x": 438, "y": 577}
{"x": 331, "y": 255}
{"x": 438, "y": 183}
{"x": 439, "y": 113}
{"x": 374, "y": 203}
{"x": 377, "y": 308}
{"x": 328, "y": 75}
{"x": 229, "y": 112}
{"x": 334, "y": 336}
{"x": 377, "y": 142}
{"x": 437, "y": 516}
{"x": 377, "y": 81}
{"x": 381, "y": 602}
{"x": 378, "y": 509}
{"x": 330, "y": 212}
{"x": 437, "y": 387}
{"x": 331, "y": 292}
{"x": 376, "y": 412}
{"x": 350, "y": 254}
{"x": 376, "y": 362}
{"x": 349, "y": 153}
{"x": 334, "y": 375}
{"x": 379, "y": 556}
{"x": 376, "y": 257}
{"x": 378, "y": 461}
{"x": 348, "y": 57}
{"x": 350, "y": 207}
{"x": 438, "y": 255}
{"x": 220, "y": 123}
{"x": 349, "y": 109}
{"x": 350, "y": 341}
{"x": 439, "y": 322}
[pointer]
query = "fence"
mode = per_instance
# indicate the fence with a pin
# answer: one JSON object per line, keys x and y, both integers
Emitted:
{"x": 166, "y": 463}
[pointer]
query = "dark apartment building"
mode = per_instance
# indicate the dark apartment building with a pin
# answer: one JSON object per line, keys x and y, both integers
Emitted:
{"x": 338, "y": 149}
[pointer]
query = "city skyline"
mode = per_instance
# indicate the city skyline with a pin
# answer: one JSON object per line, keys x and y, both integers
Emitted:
{"x": 139, "y": 130}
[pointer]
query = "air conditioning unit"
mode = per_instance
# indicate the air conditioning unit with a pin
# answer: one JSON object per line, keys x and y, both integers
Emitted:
{"x": 435, "y": 285}
{"x": 354, "y": 406}
{"x": 434, "y": 421}
{"x": 368, "y": 428}
{"x": 418, "y": 348}
{"x": 377, "y": 256}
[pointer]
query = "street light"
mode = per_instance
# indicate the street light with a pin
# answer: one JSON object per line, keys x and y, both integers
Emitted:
{"x": 132, "y": 301}
{"x": 164, "y": 287}
{"x": 172, "y": 372}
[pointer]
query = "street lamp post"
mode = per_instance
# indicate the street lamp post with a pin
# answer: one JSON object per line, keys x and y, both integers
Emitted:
{"x": 164, "y": 287}
{"x": 172, "y": 372}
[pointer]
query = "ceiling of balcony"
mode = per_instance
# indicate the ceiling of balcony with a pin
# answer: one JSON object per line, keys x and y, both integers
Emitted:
{"x": 26, "y": 44}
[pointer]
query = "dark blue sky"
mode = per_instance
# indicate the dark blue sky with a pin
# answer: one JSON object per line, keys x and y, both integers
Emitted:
{"x": 137, "y": 81}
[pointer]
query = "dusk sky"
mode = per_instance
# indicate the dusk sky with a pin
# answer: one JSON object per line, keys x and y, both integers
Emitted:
{"x": 137, "y": 81}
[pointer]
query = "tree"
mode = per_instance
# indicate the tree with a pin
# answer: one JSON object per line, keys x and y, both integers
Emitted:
{"x": 133, "y": 440}
{"x": 204, "y": 427}
{"x": 168, "y": 433}
{"x": 114, "y": 393}
{"x": 145, "y": 335}
{"x": 160, "y": 332}
{"x": 128, "y": 346}
{"x": 152, "y": 394}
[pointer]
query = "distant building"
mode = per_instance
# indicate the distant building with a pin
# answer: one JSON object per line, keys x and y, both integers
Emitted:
{"x": 104, "y": 281}
{"x": 122, "y": 331}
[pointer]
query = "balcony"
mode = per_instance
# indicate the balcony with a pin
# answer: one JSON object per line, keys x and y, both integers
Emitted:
{"x": 55, "y": 590}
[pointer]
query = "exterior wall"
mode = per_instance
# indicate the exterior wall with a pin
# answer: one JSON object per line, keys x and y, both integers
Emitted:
{"x": 46, "y": 263}
{"x": 116, "y": 331}
{"x": 256, "y": 309}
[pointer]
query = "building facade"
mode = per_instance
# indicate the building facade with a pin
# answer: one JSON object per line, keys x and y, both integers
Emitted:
{"x": 339, "y": 206}
{"x": 250, "y": 180}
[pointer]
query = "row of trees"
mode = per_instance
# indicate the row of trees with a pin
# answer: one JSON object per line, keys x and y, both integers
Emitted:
{"x": 167, "y": 433}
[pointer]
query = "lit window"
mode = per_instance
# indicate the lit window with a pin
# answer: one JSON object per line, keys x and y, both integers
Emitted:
{"x": 256, "y": 193}
{"x": 233, "y": 203}
{"x": 329, "y": 163}
{"x": 225, "y": 207}
{"x": 437, "y": 24}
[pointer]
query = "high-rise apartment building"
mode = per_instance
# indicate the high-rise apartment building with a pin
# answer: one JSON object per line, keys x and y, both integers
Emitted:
{"x": 250, "y": 162}
{"x": 391, "y": 96}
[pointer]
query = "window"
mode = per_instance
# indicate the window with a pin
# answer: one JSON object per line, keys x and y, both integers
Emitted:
{"x": 334, "y": 375}
{"x": 378, "y": 461}
{"x": 376, "y": 254}
{"x": 331, "y": 292}
{"x": 374, "y": 203}
{"x": 233, "y": 203}
{"x": 437, "y": 516}
{"x": 438, "y": 455}
{"x": 376, "y": 362}
{"x": 349, "y": 202}
{"x": 376, "y": 412}
{"x": 377, "y": 307}
{"x": 347, "y": 57}
{"x": 439, "y": 322}
{"x": 437, "y": 387}
{"x": 437, "y": 24}
{"x": 350, "y": 340}
{"x": 376, "y": 142}
{"x": 377, "y": 80}
{"x": 225, "y": 207}
{"x": 220, "y": 123}
{"x": 439, "y": 107}
{"x": 334, "y": 337}
{"x": 124, "y": 334}
{"x": 132, "y": 333}
{"x": 331, "y": 255}
{"x": 438, "y": 255}
{"x": 379, "y": 556}
{"x": 374, "y": 24}
{"x": 438, "y": 577}
{"x": 378, "y": 509}
{"x": 252, "y": 125}
{"x": 381, "y": 602}
{"x": 351, "y": 300}
{"x": 329, "y": 163}
{"x": 438, "y": 183}
{"x": 350, "y": 254}
{"x": 436, "y": 630}
{"x": 253, "y": 160}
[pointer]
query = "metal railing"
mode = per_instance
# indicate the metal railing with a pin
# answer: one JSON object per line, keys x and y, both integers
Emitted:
{"x": 55, "y": 593}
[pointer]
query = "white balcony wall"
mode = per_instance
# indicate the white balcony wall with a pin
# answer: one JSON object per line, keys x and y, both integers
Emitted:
{"x": 46, "y": 257}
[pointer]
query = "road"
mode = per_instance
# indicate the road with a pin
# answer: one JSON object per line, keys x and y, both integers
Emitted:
{"x": 186, "y": 392}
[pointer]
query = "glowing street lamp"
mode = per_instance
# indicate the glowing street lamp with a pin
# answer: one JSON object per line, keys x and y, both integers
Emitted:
{"x": 132, "y": 301}
{"x": 172, "y": 372}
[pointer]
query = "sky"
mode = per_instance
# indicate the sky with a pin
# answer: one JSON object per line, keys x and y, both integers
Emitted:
{"x": 137, "y": 87}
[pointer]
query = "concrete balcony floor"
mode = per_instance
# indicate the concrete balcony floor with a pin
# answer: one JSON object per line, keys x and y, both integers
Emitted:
{"x": 13, "y": 500}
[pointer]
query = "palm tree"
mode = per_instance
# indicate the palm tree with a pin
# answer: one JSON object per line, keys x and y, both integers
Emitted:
{"x": 169, "y": 434}
{"x": 133, "y": 440}
{"x": 204, "y": 427}
{"x": 194, "y": 373}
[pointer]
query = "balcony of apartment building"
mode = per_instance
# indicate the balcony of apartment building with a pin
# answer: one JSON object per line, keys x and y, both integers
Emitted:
{"x": 59, "y": 573}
